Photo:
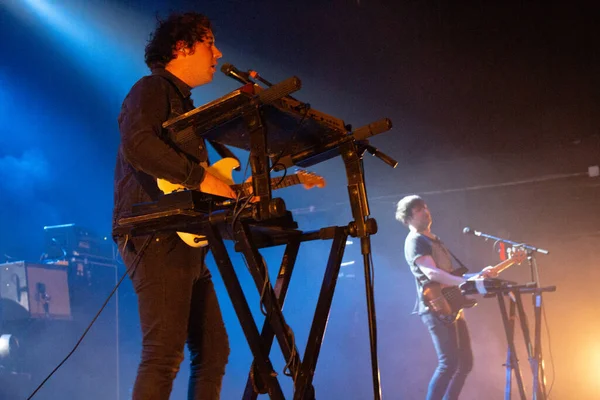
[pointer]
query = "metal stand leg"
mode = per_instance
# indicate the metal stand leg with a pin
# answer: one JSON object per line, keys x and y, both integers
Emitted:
{"x": 512, "y": 363}
{"x": 254, "y": 385}
{"x": 537, "y": 365}
{"x": 269, "y": 300}
{"x": 370, "y": 295}
{"x": 363, "y": 227}
{"x": 302, "y": 371}
{"x": 304, "y": 388}
{"x": 234, "y": 289}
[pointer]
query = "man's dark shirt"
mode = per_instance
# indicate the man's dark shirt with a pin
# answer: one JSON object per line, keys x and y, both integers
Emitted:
{"x": 417, "y": 245}
{"x": 146, "y": 151}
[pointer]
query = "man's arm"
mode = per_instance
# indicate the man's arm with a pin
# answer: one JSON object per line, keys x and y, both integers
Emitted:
{"x": 427, "y": 265}
{"x": 140, "y": 123}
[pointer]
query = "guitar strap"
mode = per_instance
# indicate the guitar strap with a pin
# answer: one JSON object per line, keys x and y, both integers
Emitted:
{"x": 423, "y": 279}
{"x": 458, "y": 271}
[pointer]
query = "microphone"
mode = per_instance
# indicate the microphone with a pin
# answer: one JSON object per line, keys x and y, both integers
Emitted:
{"x": 469, "y": 231}
{"x": 233, "y": 72}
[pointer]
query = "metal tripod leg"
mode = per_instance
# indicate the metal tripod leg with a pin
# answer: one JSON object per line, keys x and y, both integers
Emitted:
{"x": 304, "y": 388}
{"x": 526, "y": 336}
{"x": 234, "y": 289}
{"x": 274, "y": 316}
{"x": 281, "y": 286}
{"x": 512, "y": 363}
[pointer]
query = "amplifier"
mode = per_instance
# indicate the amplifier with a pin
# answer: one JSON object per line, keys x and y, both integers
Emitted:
{"x": 69, "y": 240}
{"x": 70, "y": 294}
{"x": 30, "y": 290}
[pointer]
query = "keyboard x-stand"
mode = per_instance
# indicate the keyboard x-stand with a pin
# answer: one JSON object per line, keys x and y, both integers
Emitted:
{"x": 278, "y": 131}
{"x": 535, "y": 351}
{"x": 500, "y": 288}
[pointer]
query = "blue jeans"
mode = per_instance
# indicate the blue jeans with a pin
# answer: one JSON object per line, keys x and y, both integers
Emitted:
{"x": 177, "y": 304}
{"x": 455, "y": 358}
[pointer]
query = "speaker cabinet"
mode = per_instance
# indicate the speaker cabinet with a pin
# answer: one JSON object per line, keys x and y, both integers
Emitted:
{"x": 48, "y": 307}
{"x": 34, "y": 291}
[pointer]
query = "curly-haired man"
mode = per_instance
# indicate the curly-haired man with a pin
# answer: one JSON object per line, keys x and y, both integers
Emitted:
{"x": 176, "y": 298}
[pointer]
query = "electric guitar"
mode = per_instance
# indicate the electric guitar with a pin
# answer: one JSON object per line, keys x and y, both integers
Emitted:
{"x": 223, "y": 169}
{"x": 447, "y": 301}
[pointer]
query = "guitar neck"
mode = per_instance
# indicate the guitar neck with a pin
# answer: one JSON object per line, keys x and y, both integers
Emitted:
{"x": 276, "y": 183}
{"x": 503, "y": 265}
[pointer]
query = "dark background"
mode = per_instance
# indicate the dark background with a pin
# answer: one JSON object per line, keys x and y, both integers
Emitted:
{"x": 494, "y": 106}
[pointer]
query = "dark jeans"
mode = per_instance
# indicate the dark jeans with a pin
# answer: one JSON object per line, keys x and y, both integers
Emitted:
{"x": 455, "y": 358}
{"x": 177, "y": 304}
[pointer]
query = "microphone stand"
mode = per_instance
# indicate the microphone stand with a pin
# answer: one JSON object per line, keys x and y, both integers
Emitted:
{"x": 535, "y": 354}
{"x": 506, "y": 241}
{"x": 351, "y": 148}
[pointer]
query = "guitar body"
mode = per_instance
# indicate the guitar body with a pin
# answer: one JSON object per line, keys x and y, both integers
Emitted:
{"x": 445, "y": 302}
{"x": 222, "y": 169}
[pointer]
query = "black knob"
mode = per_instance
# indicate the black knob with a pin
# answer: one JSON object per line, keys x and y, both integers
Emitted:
{"x": 277, "y": 207}
{"x": 371, "y": 225}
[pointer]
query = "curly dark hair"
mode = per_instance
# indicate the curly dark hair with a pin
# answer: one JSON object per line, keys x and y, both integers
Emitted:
{"x": 189, "y": 27}
{"x": 405, "y": 207}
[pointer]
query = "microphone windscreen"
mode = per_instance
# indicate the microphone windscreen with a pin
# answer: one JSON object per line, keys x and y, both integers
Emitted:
{"x": 225, "y": 68}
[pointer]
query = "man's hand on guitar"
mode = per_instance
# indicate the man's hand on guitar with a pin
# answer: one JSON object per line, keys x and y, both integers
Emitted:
{"x": 516, "y": 256}
{"x": 488, "y": 272}
{"x": 213, "y": 185}
{"x": 218, "y": 181}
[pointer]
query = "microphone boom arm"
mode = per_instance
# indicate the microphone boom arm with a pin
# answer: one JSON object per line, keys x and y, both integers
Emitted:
{"x": 469, "y": 231}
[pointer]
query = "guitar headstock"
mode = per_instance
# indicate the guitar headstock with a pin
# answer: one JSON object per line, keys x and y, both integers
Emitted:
{"x": 517, "y": 254}
{"x": 310, "y": 179}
